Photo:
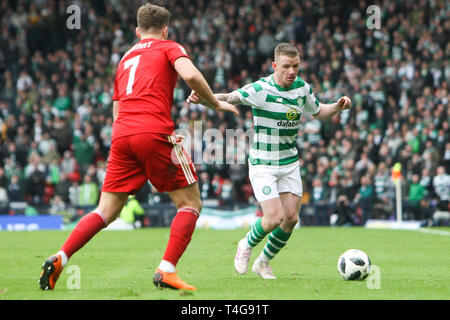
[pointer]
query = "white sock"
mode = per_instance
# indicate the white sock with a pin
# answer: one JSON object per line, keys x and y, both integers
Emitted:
{"x": 263, "y": 257}
{"x": 64, "y": 258}
{"x": 166, "y": 266}
{"x": 245, "y": 244}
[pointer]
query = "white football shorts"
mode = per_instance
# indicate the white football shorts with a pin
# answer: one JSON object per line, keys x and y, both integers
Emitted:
{"x": 269, "y": 181}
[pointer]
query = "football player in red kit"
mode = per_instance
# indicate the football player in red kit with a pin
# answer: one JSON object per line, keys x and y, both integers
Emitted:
{"x": 144, "y": 147}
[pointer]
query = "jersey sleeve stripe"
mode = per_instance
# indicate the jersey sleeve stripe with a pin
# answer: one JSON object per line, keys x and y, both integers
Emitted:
{"x": 257, "y": 86}
{"x": 243, "y": 93}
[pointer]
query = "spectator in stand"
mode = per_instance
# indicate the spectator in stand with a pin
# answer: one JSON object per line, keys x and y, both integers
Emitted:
{"x": 441, "y": 185}
{"x": 205, "y": 186}
{"x": 344, "y": 214}
{"x": 319, "y": 197}
{"x": 74, "y": 193}
{"x": 84, "y": 153}
{"x": 15, "y": 189}
{"x": 365, "y": 198}
{"x": 133, "y": 212}
{"x": 4, "y": 200}
{"x": 62, "y": 103}
{"x": 446, "y": 158}
{"x": 88, "y": 192}
{"x": 69, "y": 166}
{"x": 415, "y": 196}
{"x": 62, "y": 134}
{"x": 217, "y": 183}
{"x": 62, "y": 188}
{"x": 57, "y": 206}
{"x": 35, "y": 178}
{"x": 3, "y": 178}
{"x": 227, "y": 194}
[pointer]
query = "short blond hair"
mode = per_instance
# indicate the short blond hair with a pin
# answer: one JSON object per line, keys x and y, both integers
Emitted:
{"x": 286, "y": 49}
{"x": 152, "y": 17}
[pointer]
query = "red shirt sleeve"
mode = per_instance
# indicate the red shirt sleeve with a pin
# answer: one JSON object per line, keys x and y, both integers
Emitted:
{"x": 174, "y": 51}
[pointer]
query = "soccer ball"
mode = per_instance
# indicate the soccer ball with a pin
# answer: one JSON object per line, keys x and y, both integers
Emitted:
{"x": 354, "y": 264}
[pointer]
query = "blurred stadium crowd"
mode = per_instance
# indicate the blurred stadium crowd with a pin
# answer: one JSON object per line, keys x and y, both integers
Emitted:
{"x": 56, "y": 86}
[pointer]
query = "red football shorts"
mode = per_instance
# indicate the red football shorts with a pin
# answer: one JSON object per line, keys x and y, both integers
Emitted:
{"x": 157, "y": 157}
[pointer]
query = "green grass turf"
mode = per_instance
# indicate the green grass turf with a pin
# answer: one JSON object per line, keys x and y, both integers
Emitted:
{"x": 120, "y": 265}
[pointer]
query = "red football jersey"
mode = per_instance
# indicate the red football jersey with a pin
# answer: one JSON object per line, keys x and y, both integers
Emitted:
{"x": 144, "y": 85}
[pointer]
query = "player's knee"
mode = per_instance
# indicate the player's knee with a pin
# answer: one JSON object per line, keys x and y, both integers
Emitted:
{"x": 291, "y": 221}
{"x": 191, "y": 203}
{"x": 111, "y": 219}
{"x": 199, "y": 206}
{"x": 274, "y": 221}
{"x": 109, "y": 212}
{"x": 102, "y": 214}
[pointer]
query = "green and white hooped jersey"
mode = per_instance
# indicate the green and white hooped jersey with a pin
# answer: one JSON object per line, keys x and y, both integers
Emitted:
{"x": 276, "y": 115}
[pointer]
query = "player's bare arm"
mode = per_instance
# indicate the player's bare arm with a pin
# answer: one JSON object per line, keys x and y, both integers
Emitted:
{"x": 231, "y": 98}
{"x": 195, "y": 80}
{"x": 329, "y": 110}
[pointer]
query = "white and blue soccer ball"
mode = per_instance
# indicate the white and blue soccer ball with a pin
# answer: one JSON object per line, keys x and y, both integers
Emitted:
{"x": 354, "y": 264}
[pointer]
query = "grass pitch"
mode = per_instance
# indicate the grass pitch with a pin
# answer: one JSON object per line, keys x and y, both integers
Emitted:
{"x": 120, "y": 265}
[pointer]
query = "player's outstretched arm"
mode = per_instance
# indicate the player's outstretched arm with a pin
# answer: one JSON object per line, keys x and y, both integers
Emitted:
{"x": 195, "y": 80}
{"x": 231, "y": 98}
{"x": 327, "y": 111}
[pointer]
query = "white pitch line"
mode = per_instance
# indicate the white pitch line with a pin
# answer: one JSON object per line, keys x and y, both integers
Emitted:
{"x": 432, "y": 231}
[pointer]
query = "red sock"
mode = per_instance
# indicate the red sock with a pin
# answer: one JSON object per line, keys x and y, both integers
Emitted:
{"x": 85, "y": 229}
{"x": 181, "y": 230}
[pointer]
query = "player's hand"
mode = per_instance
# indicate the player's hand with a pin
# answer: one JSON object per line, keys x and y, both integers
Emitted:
{"x": 344, "y": 103}
{"x": 225, "y": 106}
{"x": 194, "y": 97}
